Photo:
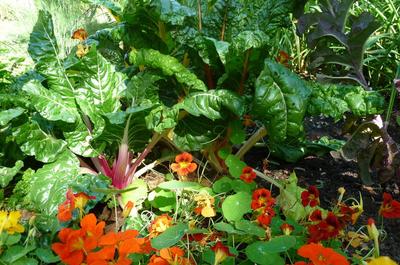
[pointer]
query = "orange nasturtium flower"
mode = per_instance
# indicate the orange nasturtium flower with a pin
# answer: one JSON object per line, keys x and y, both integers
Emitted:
{"x": 170, "y": 256}
{"x": 9, "y": 222}
{"x": 80, "y": 34}
{"x": 221, "y": 252}
{"x": 159, "y": 225}
{"x": 184, "y": 164}
{"x": 390, "y": 208}
{"x": 127, "y": 209}
{"x": 75, "y": 244}
{"x": 73, "y": 201}
{"x": 248, "y": 175}
{"x": 320, "y": 255}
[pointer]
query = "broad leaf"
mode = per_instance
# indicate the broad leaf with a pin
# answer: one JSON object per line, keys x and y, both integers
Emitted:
{"x": 50, "y": 183}
{"x": 7, "y": 174}
{"x": 50, "y": 104}
{"x": 235, "y": 206}
{"x": 280, "y": 102}
{"x": 43, "y": 49}
{"x": 212, "y": 103}
{"x": 169, "y": 65}
{"x": 34, "y": 141}
{"x": 7, "y": 115}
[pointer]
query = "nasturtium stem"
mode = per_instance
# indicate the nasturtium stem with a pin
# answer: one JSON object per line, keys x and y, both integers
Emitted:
{"x": 269, "y": 179}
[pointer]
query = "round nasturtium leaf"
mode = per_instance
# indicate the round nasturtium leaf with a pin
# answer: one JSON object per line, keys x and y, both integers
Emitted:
{"x": 235, "y": 206}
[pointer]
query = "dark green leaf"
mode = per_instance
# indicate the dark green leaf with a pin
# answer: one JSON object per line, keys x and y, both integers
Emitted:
{"x": 7, "y": 115}
{"x": 211, "y": 103}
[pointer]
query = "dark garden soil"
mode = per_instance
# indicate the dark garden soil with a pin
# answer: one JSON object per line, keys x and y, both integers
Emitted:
{"x": 329, "y": 174}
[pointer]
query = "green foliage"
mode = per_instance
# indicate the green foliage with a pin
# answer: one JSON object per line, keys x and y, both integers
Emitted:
{"x": 235, "y": 206}
{"x": 334, "y": 101}
{"x": 170, "y": 237}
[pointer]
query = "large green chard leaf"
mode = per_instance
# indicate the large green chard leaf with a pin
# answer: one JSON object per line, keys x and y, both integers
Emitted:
{"x": 99, "y": 87}
{"x": 79, "y": 140}
{"x": 334, "y": 100}
{"x": 34, "y": 141}
{"x": 50, "y": 183}
{"x": 138, "y": 134}
{"x": 280, "y": 102}
{"x": 162, "y": 118}
{"x": 43, "y": 49}
{"x": 7, "y": 174}
{"x": 193, "y": 133}
{"x": 50, "y": 104}
{"x": 7, "y": 115}
{"x": 101, "y": 84}
{"x": 169, "y": 65}
{"x": 212, "y": 103}
{"x": 142, "y": 89}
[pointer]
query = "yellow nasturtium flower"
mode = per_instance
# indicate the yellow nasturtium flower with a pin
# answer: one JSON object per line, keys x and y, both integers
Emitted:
{"x": 382, "y": 261}
{"x": 9, "y": 222}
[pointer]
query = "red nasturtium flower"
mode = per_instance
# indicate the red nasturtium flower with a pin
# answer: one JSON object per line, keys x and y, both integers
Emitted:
{"x": 184, "y": 164}
{"x": 390, "y": 208}
{"x": 323, "y": 229}
{"x": 283, "y": 58}
{"x": 265, "y": 218}
{"x": 76, "y": 243}
{"x": 248, "y": 175}
{"x": 221, "y": 252}
{"x": 310, "y": 197}
{"x": 170, "y": 256}
{"x": 73, "y": 201}
{"x": 159, "y": 225}
{"x": 320, "y": 255}
{"x": 261, "y": 198}
{"x": 287, "y": 229}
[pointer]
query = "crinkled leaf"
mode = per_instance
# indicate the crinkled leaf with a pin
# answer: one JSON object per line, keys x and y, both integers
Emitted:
{"x": 162, "y": 118}
{"x": 212, "y": 103}
{"x": 280, "y": 102}
{"x": 335, "y": 100}
{"x": 7, "y": 115}
{"x": 169, "y": 65}
{"x": 34, "y": 141}
{"x": 142, "y": 89}
{"x": 50, "y": 104}
{"x": 249, "y": 39}
{"x": 138, "y": 135}
{"x": 79, "y": 139}
{"x": 7, "y": 173}
{"x": 193, "y": 133}
{"x": 43, "y": 49}
{"x": 173, "y": 12}
{"x": 50, "y": 183}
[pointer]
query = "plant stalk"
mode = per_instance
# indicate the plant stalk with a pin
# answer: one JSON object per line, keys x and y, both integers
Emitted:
{"x": 260, "y": 133}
